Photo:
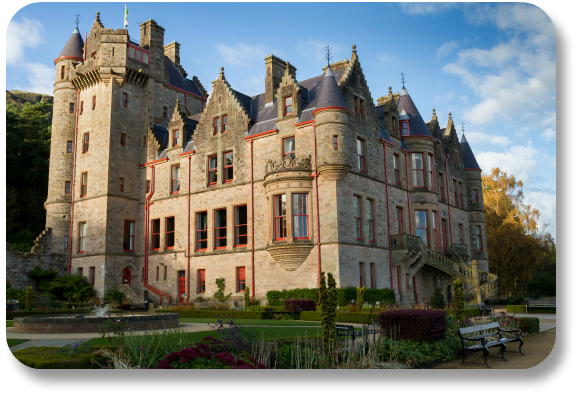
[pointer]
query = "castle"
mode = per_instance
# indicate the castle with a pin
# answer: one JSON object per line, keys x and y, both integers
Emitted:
{"x": 158, "y": 190}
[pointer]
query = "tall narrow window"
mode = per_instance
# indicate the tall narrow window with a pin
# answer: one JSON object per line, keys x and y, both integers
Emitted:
{"x": 176, "y": 138}
{"x": 421, "y": 226}
{"x": 357, "y": 216}
{"x": 170, "y": 232}
{"x": 85, "y": 142}
{"x": 83, "y": 184}
{"x": 66, "y": 187}
{"x": 164, "y": 112}
{"x": 460, "y": 192}
{"x": 201, "y": 276}
{"x": 124, "y": 99}
{"x": 361, "y": 105}
{"x": 81, "y": 107}
{"x": 71, "y": 109}
{"x": 396, "y": 168}
{"x": 79, "y": 271}
{"x": 165, "y": 270}
{"x": 128, "y": 236}
{"x": 369, "y": 217}
{"x": 241, "y": 226}
{"x": 289, "y": 147}
{"x": 418, "y": 176}
{"x": 175, "y": 179}
{"x": 280, "y": 216}
{"x": 434, "y": 227}
{"x": 404, "y": 128}
{"x": 461, "y": 231}
{"x": 431, "y": 169}
{"x": 355, "y": 103}
{"x": 122, "y": 140}
{"x": 441, "y": 186}
{"x": 360, "y": 274}
{"x": 288, "y": 105}
{"x": 217, "y": 126}
{"x": 202, "y": 231}
{"x": 455, "y": 192}
{"x": 66, "y": 242}
{"x": 399, "y": 220}
{"x": 148, "y": 186}
{"x": 158, "y": 269}
{"x": 212, "y": 170}
{"x": 121, "y": 184}
{"x": 224, "y": 119}
{"x": 300, "y": 216}
{"x": 444, "y": 236}
{"x": 335, "y": 143}
{"x": 479, "y": 245}
{"x": 156, "y": 234}
{"x": 82, "y": 237}
{"x": 221, "y": 228}
{"x": 62, "y": 73}
{"x": 92, "y": 274}
{"x": 240, "y": 279}
{"x": 371, "y": 275}
{"x": 475, "y": 195}
{"x": 228, "y": 167}
{"x": 94, "y": 102}
{"x": 360, "y": 155}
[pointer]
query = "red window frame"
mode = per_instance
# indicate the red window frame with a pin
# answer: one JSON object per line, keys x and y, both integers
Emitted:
{"x": 404, "y": 127}
{"x": 399, "y": 220}
{"x": 81, "y": 237}
{"x": 201, "y": 277}
{"x": 71, "y": 108}
{"x": 434, "y": 222}
{"x": 369, "y": 217}
{"x": 79, "y": 272}
{"x": 226, "y": 167}
{"x": 156, "y": 234}
{"x": 280, "y": 217}
{"x": 122, "y": 140}
{"x": 300, "y": 216}
{"x": 455, "y": 192}
{"x": 335, "y": 143}
{"x": 224, "y": 123}
{"x": 85, "y": 142}
{"x": 202, "y": 233}
{"x": 421, "y": 227}
{"x": 92, "y": 270}
{"x": 355, "y": 104}
{"x": 444, "y": 236}
{"x": 217, "y": 126}
{"x": 121, "y": 184}
{"x": 441, "y": 186}
{"x": 357, "y": 216}
{"x": 164, "y": 112}
{"x": 138, "y": 54}
{"x": 461, "y": 197}
{"x": 83, "y": 184}
{"x": 431, "y": 169}
{"x": 81, "y": 107}
{"x": 361, "y": 105}
{"x": 124, "y": 99}
{"x": 479, "y": 244}
{"x": 170, "y": 233}
{"x": 241, "y": 279}
{"x": 361, "y": 156}
{"x": 66, "y": 187}
{"x": 291, "y": 152}
{"x": 66, "y": 242}
{"x": 417, "y": 160}
{"x": 93, "y": 103}
{"x": 361, "y": 274}
{"x": 175, "y": 178}
{"x": 461, "y": 231}
{"x": 288, "y": 107}
{"x": 128, "y": 236}
{"x": 241, "y": 229}
{"x": 220, "y": 231}
{"x": 212, "y": 170}
{"x": 475, "y": 195}
{"x": 396, "y": 168}
{"x": 176, "y": 137}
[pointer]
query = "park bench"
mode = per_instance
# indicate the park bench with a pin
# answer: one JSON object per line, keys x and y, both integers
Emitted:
{"x": 483, "y": 341}
{"x": 540, "y": 304}
{"x": 342, "y": 330}
{"x": 271, "y": 313}
{"x": 485, "y": 308}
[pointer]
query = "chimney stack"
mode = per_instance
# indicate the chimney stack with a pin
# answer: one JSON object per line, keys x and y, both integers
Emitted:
{"x": 275, "y": 69}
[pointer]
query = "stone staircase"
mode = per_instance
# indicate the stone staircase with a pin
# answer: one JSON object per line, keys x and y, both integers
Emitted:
{"x": 129, "y": 293}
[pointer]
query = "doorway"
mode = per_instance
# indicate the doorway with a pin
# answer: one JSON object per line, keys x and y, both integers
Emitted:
{"x": 126, "y": 276}
{"x": 182, "y": 286}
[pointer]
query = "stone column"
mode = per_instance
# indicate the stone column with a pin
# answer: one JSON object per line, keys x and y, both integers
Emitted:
{"x": 476, "y": 281}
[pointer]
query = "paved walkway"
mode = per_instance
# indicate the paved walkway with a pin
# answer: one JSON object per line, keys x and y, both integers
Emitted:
{"x": 46, "y": 343}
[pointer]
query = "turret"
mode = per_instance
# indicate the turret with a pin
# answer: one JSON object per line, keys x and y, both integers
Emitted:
{"x": 62, "y": 144}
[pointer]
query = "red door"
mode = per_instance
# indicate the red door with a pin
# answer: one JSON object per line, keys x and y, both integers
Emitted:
{"x": 182, "y": 286}
{"x": 126, "y": 276}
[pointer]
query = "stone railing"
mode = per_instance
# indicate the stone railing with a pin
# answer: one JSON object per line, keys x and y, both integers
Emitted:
{"x": 288, "y": 163}
{"x": 406, "y": 241}
{"x": 459, "y": 249}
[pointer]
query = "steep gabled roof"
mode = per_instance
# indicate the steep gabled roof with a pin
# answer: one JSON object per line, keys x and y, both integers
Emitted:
{"x": 74, "y": 47}
{"x": 470, "y": 161}
{"x": 177, "y": 80}
{"x": 417, "y": 126}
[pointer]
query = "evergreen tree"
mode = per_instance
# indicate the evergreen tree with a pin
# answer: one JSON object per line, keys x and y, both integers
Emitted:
{"x": 437, "y": 300}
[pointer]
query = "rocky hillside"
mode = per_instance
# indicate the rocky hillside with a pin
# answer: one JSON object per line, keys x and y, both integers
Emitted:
{"x": 19, "y": 98}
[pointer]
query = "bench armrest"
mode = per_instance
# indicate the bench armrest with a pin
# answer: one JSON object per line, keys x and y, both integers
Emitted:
{"x": 519, "y": 331}
{"x": 474, "y": 339}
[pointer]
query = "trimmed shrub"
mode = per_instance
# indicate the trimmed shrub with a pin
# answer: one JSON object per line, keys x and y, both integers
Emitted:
{"x": 418, "y": 325}
{"x": 459, "y": 300}
{"x": 515, "y": 309}
{"x": 541, "y": 310}
{"x": 353, "y": 318}
{"x": 532, "y": 324}
{"x": 344, "y": 295}
{"x": 251, "y": 315}
{"x": 437, "y": 300}
{"x": 53, "y": 358}
{"x": 292, "y": 305}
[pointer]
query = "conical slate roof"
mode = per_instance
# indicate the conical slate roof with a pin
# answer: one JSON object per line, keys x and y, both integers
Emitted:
{"x": 329, "y": 95}
{"x": 74, "y": 48}
{"x": 470, "y": 161}
{"x": 417, "y": 126}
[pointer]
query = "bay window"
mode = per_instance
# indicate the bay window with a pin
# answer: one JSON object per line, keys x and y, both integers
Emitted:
{"x": 418, "y": 171}
{"x": 421, "y": 226}
{"x": 479, "y": 238}
{"x": 434, "y": 228}
{"x": 280, "y": 217}
{"x": 431, "y": 169}
{"x": 300, "y": 216}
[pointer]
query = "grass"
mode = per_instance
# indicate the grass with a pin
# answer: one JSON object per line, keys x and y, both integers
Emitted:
{"x": 9, "y": 324}
{"x": 15, "y": 342}
{"x": 252, "y": 322}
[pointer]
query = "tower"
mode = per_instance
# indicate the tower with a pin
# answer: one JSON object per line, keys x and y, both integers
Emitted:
{"x": 63, "y": 143}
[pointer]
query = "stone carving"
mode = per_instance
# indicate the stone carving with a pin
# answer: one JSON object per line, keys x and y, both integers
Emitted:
{"x": 290, "y": 256}
{"x": 288, "y": 163}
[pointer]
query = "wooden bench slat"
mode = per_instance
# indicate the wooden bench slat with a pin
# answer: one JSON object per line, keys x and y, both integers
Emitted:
{"x": 478, "y": 328}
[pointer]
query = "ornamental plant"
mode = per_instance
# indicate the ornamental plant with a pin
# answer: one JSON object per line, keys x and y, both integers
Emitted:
{"x": 360, "y": 293}
{"x": 247, "y": 296}
{"x": 437, "y": 300}
{"x": 220, "y": 294}
{"x": 292, "y": 305}
{"x": 328, "y": 308}
{"x": 459, "y": 300}
{"x": 29, "y": 297}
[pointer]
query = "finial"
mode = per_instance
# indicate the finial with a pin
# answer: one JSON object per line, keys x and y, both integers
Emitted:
{"x": 463, "y": 128}
{"x": 434, "y": 116}
{"x": 353, "y": 47}
{"x": 287, "y": 64}
{"x": 328, "y": 55}
{"x": 402, "y": 80}
{"x": 434, "y": 110}
{"x": 177, "y": 103}
{"x": 389, "y": 90}
{"x": 450, "y": 114}
{"x": 222, "y": 71}
{"x": 77, "y": 19}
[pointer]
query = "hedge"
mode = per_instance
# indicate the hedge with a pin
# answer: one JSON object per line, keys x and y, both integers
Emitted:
{"x": 344, "y": 295}
{"x": 532, "y": 324}
{"x": 355, "y": 318}
{"x": 467, "y": 312}
{"x": 11, "y": 314}
{"x": 292, "y": 305}
{"x": 542, "y": 310}
{"x": 416, "y": 324}
{"x": 53, "y": 358}
{"x": 515, "y": 309}
{"x": 225, "y": 314}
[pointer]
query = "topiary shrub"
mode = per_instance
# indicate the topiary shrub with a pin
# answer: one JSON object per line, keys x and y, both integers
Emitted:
{"x": 359, "y": 299}
{"x": 29, "y": 298}
{"x": 247, "y": 296}
{"x": 459, "y": 300}
{"x": 343, "y": 295}
{"x": 417, "y": 325}
{"x": 328, "y": 306}
{"x": 292, "y": 305}
{"x": 54, "y": 358}
{"x": 220, "y": 294}
{"x": 437, "y": 300}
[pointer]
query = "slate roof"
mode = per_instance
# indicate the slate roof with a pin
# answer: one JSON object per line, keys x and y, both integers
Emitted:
{"x": 74, "y": 46}
{"x": 470, "y": 161}
{"x": 177, "y": 80}
{"x": 162, "y": 134}
{"x": 404, "y": 145}
{"x": 329, "y": 94}
{"x": 189, "y": 145}
{"x": 417, "y": 126}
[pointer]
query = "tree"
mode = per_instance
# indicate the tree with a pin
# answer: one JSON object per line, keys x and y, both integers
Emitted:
{"x": 328, "y": 308}
{"x": 437, "y": 300}
{"x": 69, "y": 286}
{"x": 459, "y": 300}
{"x": 41, "y": 276}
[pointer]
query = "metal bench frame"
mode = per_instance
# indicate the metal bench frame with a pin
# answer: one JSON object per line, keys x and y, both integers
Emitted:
{"x": 485, "y": 308}
{"x": 482, "y": 338}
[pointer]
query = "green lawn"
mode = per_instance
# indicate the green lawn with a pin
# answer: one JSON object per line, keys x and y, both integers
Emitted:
{"x": 247, "y": 322}
{"x": 14, "y": 342}
{"x": 9, "y": 324}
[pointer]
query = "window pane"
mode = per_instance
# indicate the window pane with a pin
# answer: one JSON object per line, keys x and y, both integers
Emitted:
{"x": 421, "y": 225}
{"x": 280, "y": 213}
{"x": 241, "y": 225}
{"x": 359, "y": 147}
{"x": 145, "y": 57}
{"x": 131, "y": 52}
{"x": 221, "y": 228}
{"x": 289, "y": 147}
{"x": 202, "y": 231}
{"x": 300, "y": 216}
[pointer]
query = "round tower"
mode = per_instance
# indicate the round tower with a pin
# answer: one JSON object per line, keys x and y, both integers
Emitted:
{"x": 63, "y": 144}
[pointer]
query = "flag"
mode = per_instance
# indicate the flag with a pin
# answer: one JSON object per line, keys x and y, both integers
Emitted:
{"x": 125, "y": 16}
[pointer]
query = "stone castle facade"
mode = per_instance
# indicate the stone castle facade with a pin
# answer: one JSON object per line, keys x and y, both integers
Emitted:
{"x": 157, "y": 189}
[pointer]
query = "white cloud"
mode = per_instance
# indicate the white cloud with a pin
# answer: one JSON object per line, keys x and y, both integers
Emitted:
{"x": 426, "y": 8}
{"x": 20, "y": 35}
{"x": 40, "y": 78}
{"x": 545, "y": 202}
{"x": 242, "y": 54}
{"x": 477, "y": 137}
{"x": 520, "y": 161}
{"x": 549, "y": 123}
{"x": 316, "y": 50}
{"x": 446, "y": 49}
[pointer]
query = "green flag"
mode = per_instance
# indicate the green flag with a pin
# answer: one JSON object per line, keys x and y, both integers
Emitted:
{"x": 125, "y": 16}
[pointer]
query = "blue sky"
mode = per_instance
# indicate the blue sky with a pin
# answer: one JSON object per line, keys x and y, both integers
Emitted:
{"x": 493, "y": 65}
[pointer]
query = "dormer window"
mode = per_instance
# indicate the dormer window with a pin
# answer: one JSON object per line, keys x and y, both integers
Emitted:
{"x": 217, "y": 126}
{"x": 418, "y": 170}
{"x": 224, "y": 122}
{"x": 404, "y": 125}
{"x": 176, "y": 138}
{"x": 288, "y": 103}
